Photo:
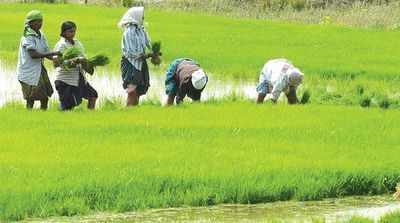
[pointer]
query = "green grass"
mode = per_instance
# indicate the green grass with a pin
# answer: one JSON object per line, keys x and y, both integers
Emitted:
{"x": 391, "y": 218}
{"x": 224, "y": 46}
{"x": 388, "y": 218}
{"x": 117, "y": 159}
{"x": 359, "y": 220}
{"x": 54, "y": 163}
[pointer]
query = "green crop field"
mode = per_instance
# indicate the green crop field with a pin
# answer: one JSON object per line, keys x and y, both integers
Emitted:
{"x": 226, "y": 47}
{"x": 54, "y": 163}
{"x": 227, "y": 151}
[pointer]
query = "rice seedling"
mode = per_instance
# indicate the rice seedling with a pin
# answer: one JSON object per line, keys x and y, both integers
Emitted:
{"x": 384, "y": 103}
{"x": 365, "y": 101}
{"x": 156, "y": 48}
{"x": 99, "y": 60}
{"x": 360, "y": 90}
{"x": 305, "y": 98}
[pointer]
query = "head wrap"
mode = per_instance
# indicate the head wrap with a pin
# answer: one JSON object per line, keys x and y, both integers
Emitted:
{"x": 199, "y": 79}
{"x": 133, "y": 16}
{"x": 32, "y": 16}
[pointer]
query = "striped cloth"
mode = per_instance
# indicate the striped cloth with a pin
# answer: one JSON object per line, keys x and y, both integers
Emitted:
{"x": 134, "y": 42}
{"x": 29, "y": 69}
{"x": 68, "y": 75}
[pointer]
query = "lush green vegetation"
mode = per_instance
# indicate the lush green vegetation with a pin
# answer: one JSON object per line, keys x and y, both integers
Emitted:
{"x": 389, "y": 218}
{"x": 224, "y": 46}
{"x": 54, "y": 163}
{"x": 116, "y": 159}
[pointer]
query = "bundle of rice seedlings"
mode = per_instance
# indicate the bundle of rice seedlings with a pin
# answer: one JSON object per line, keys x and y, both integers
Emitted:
{"x": 69, "y": 54}
{"x": 156, "y": 48}
{"x": 306, "y": 97}
{"x": 99, "y": 60}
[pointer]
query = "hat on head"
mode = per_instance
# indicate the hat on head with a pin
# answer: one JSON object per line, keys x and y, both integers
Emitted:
{"x": 199, "y": 79}
{"x": 33, "y": 15}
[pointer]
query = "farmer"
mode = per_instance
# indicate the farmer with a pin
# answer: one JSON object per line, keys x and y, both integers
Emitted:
{"x": 31, "y": 72}
{"x": 134, "y": 69}
{"x": 184, "y": 77}
{"x": 71, "y": 83}
{"x": 279, "y": 75}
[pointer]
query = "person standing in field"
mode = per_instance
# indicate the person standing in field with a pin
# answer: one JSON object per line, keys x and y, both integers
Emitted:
{"x": 184, "y": 77}
{"x": 31, "y": 72}
{"x": 71, "y": 83}
{"x": 277, "y": 76}
{"x": 134, "y": 69}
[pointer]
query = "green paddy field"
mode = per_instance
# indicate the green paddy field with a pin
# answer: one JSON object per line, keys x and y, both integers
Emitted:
{"x": 229, "y": 151}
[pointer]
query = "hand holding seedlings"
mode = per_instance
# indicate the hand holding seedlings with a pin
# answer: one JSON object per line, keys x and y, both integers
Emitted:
{"x": 155, "y": 57}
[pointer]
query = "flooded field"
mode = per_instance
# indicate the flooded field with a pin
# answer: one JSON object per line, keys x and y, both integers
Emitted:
{"x": 330, "y": 210}
{"x": 109, "y": 86}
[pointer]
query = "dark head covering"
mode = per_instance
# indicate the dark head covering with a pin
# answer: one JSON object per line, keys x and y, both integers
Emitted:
{"x": 66, "y": 26}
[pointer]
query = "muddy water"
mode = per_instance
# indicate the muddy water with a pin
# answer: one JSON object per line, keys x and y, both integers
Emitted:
{"x": 331, "y": 210}
{"x": 110, "y": 87}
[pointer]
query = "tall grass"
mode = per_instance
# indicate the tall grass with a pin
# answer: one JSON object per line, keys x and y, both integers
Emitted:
{"x": 227, "y": 47}
{"x": 54, "y": 163}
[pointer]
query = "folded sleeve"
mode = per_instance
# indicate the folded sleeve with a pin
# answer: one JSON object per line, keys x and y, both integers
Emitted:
{"x": 29, "y": 43}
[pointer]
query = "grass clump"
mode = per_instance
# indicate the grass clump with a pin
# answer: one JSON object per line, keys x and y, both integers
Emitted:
{"x": 305, "y": 98}
{"x": 365, "y": 101}
{"x": 360, "y": 90}
{"x": 384, "y": 102}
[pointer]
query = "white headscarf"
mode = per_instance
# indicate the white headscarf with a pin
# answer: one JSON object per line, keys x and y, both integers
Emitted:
{"x": 133, "y": 16}
{"x": 199, "y": 79}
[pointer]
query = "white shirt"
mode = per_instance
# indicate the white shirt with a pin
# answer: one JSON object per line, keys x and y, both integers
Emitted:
{"x": 29, "y": 69}
{"x": 274, "y": 78}
{"x": 69, "y": 75}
